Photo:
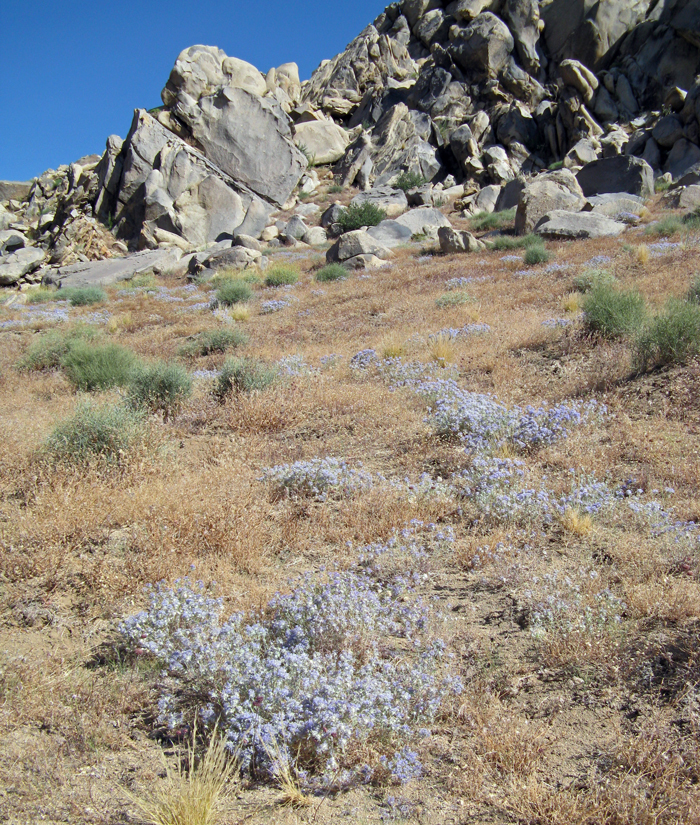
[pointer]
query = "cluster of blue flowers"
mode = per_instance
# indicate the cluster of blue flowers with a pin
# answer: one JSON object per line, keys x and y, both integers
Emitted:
{"x": 556, "y": 323}
{"x": 452, "y": 332}
{"x": 274, "y": 305}
{"x": 294, "y": 366}
{"x": 318, "y": 478}
{"x": 323, "y": 668}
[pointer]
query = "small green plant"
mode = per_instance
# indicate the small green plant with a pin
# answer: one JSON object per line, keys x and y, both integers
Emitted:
{"x": 42, "y": 294}
{"x": 215, "y": 340}
{"x": 454, "y": 299}
{"x": 98, "y": 367}
{"x": 233, "y": 291}
{"x": 281, "y": 275}
{"x": 409, "y": 180}
{"x": 306, "y": 152}
{"x": 159, "y": 387}
{"x": 613, "y": 313}
{"x": 244, "y": 375}
{"x": 662, "y": 185}
{"x": 536, "y": 254}
{"x": 672, "y": 337}
{"x": 82, "y": 296}
{"x": 106, "y": 433}
{"x": 487, "y": 221}
{"x": 558, "y": 164}
{"x": 146, "y": 281}
{"x": 359, "y": 215}
{"x": 335, "y": 189}
{"x": 332, "y": 272}
{"x": 504, "y": 243}
{"x": 666, "y": 227}
{"x": 592, "y": 278}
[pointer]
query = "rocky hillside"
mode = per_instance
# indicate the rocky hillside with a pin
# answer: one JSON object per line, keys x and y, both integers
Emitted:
{"x": 471, "y": 97}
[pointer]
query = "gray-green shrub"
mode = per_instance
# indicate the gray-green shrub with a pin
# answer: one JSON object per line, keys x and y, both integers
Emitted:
{"x": 159, "y": 387}
{"x": 409, "y": 180}
{"x": 82, "y": 296}
{"x": 693, "y": 294}
{"x": 49, "y": 348}
{"x": 613, "y": 313}
{"x": 332, "y": 272}
{"x": 107, "y": 433}
{"x": 215, "y": 340}
{"x": 233, "y": 291}
{"x": 98, "y": 366}
{"x": 536, "y": 254}
{"x": 671, "y": 337}
{"x": 591, "y": 278}
{"x": 244, "y": 375}
{"x": 281, "y": 275}
{"x": 486, "y": 221}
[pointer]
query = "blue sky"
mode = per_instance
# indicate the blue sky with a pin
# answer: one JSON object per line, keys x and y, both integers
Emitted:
{"x": 73, "y": 72}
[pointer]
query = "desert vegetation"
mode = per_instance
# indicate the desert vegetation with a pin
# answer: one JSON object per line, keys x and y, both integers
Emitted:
{"x": 416, "y": 543}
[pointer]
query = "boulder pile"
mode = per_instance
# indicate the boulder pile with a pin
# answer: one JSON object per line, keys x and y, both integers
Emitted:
{"x": 475, "y": 101}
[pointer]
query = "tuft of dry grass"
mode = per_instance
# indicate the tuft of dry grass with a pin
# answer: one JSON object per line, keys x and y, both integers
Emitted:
{"x": 442, "y": 349}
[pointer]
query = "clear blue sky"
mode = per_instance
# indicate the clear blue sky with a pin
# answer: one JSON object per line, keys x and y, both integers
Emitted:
{"x": 73, "y": 72}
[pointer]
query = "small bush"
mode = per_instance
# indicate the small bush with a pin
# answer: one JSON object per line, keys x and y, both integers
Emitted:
{"x": 613, "y": 313}
{"x": 661, "y": 185}
{"x": 536, "y": 254}
{"x": 693, "y": 294}
{"x": 232, "y": 292}
{"x": 691, "y": 220}
{"x": 358, "y": 215}
{"x": 454, "y": 299}
{"x": 335, "y": 189}
{"x": 90, "y": 367}
{"x": 332, "y": 272}
{"x": 47, "y": 351}
{"x": 487, "y": 221}
{"x": 282, "y": 275}
{"x": 665, "y": 227}
{"x": 42, "y": 294}
{"x": 592, "y": 278}
{"x": 104, "y": 432}
{"x": 672, "y": 337}
{"x": 558, "y": 164}
{"x": 503, "y": 243}
{"x": 82, "y": 296}
{"x": 215, "y": 340}
{"x": 159, "y": 387}
{"x": 409, "y": 180}
{"x": 244, "y": 375}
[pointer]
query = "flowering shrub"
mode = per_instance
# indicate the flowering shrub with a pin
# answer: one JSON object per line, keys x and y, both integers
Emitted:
{"x": 318, "y": 478}
{"x": 267, "y": 307}
{"x": 312, "y": 675}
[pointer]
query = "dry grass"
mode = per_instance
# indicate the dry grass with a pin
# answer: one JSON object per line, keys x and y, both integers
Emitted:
{"x": 572, "y": 727}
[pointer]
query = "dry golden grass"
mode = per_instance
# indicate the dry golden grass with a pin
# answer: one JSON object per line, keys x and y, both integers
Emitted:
{"x": 549, "y": 730}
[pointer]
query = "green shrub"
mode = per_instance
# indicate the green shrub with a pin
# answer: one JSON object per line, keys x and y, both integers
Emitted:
{"x": 536, "y": 254}
{"x": 48, "y": 350}
{"x": 613, "y": 313}
{"x": 335, "y": 189}
{"x": 281, "y": 275}
{"x": 332, "y": 272}
{"x": 487, "y": 221}
{"x": 558, "y": 164}
{"x": 672, "y": 337}
{"x": 504, "y": 243}
{"x": 82, "y": 296}
{"x": 661, "y": 185}
{"x": 159, "y": 387}
{"x": 665, "y": 227}
{"x": 215, "y": 340}
{"x": 42, "y": 294}
{"x": 693, "y": 294}
{"x": 358, "y": 215}
{"x": 591, "y": 278}
{"x": 104, "y": 432}
{"x": 409, "y": 180}
{"x": 98, "y": 367}
{"x": 244, "y": 375}
{"x": 232, "y": 292}
{"x": 454, "y": 299}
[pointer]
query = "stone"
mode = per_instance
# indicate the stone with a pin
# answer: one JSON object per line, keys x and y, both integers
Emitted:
{"x": 576, "y": 75}
{"x": 675, "y": 99}
{"x": 624, "y": 93}
{"x": 418, "y": 219}
{"x": 248, "y": 242}
{"x": 269, "y": 233}
{"x": 614, "y": 204}
{"x": 689, "y": 198}
{"x": 237, "y": 257}
{"x": 487, "y": 198}
{"x": 562, "y": 225}
{"x": 111, "y": 270}
{"x": 581, "y": 153}
{"x": 331, "y": 215}
{"x": 517, "y": 126}
{"x": 323, "y": 141}
{"x": 296, "y": 228}
{"x": 11, "y": 240}
{"x": 523, "y": 17}
{"x": 365, "y": 261}
{"x": 681, "y": 158}
{"x": 622, "y": 173}
{"x": 420, "y": 196}
{"x": 667, "y": 131}
{"x": 652, "y": 153}
{"x": 605, "y": 107}
{"x": 14, "y": 190}
{"x": 18, "y": 264}
{"x": 552, "y": 191}
{"x": 249, "y": 138}
{"x": 469, "y": 9}
{"x": 255, "y": 220}
{"x": 433, "y": 27}
{"x": 305, "y": 210}
{"x": 390, "y": 233}
{"x": 392, "y": 201}
{"x": 483, "y": 47}
{"x": 315, "y": 236}
{"x": 358, "y": 242}
{"x": 457, "y": 240}
{"x": 509, "y": 196}
{"x": 413, "y": 10}
{"x": 614, "y": 143}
